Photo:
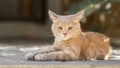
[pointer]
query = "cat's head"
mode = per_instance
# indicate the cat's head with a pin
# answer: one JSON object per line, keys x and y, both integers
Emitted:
{"x": 67, "y": 26}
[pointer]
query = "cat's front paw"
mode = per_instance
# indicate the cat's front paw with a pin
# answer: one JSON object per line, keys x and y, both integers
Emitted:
{"x": 29, "y": 56}
{"x": 40, "y": 57}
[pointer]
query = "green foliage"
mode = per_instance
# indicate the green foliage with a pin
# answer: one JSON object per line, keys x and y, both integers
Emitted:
{"x": 88, "y": 5}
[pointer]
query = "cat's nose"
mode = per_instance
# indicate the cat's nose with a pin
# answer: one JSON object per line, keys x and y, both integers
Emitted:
{"x": 64, "y": 33}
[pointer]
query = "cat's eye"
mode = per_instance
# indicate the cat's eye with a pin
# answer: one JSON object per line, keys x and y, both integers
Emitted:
{"x": 69, "y": 28}
{"x": 60, "y": 27}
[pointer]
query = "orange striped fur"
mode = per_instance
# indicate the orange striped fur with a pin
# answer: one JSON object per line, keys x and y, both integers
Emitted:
{"x": 71, "y": 43}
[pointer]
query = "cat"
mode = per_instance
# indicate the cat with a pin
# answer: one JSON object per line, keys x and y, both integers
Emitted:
{"x": 71, "y": 43}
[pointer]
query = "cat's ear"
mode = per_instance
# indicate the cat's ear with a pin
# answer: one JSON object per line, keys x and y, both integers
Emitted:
{"x": 78, "y": 16}
{"x": 53, "y": 16}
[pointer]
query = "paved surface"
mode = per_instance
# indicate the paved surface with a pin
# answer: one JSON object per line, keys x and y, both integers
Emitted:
{"x": 14, "y": 54}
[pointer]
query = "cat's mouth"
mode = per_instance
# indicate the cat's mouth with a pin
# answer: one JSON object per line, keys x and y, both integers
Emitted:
{"x": 66, "y": 37}
{"x": 63, "y": 37}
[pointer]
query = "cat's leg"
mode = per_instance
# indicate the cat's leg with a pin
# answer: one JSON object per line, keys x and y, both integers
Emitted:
{"x": 31, "y": 55}
{"x": 58, "y": 55}
{"x": 108, "y": 55}
{"x": 105, "y": 56}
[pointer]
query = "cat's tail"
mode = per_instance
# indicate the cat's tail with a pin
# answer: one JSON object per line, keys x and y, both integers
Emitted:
{"x": 107, "y": 39}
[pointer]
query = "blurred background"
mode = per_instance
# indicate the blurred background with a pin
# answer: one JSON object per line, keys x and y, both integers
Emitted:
{"x": 27, "y": 21}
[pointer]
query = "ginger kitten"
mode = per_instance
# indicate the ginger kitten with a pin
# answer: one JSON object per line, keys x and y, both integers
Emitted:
{"x": 71, "y": 43}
